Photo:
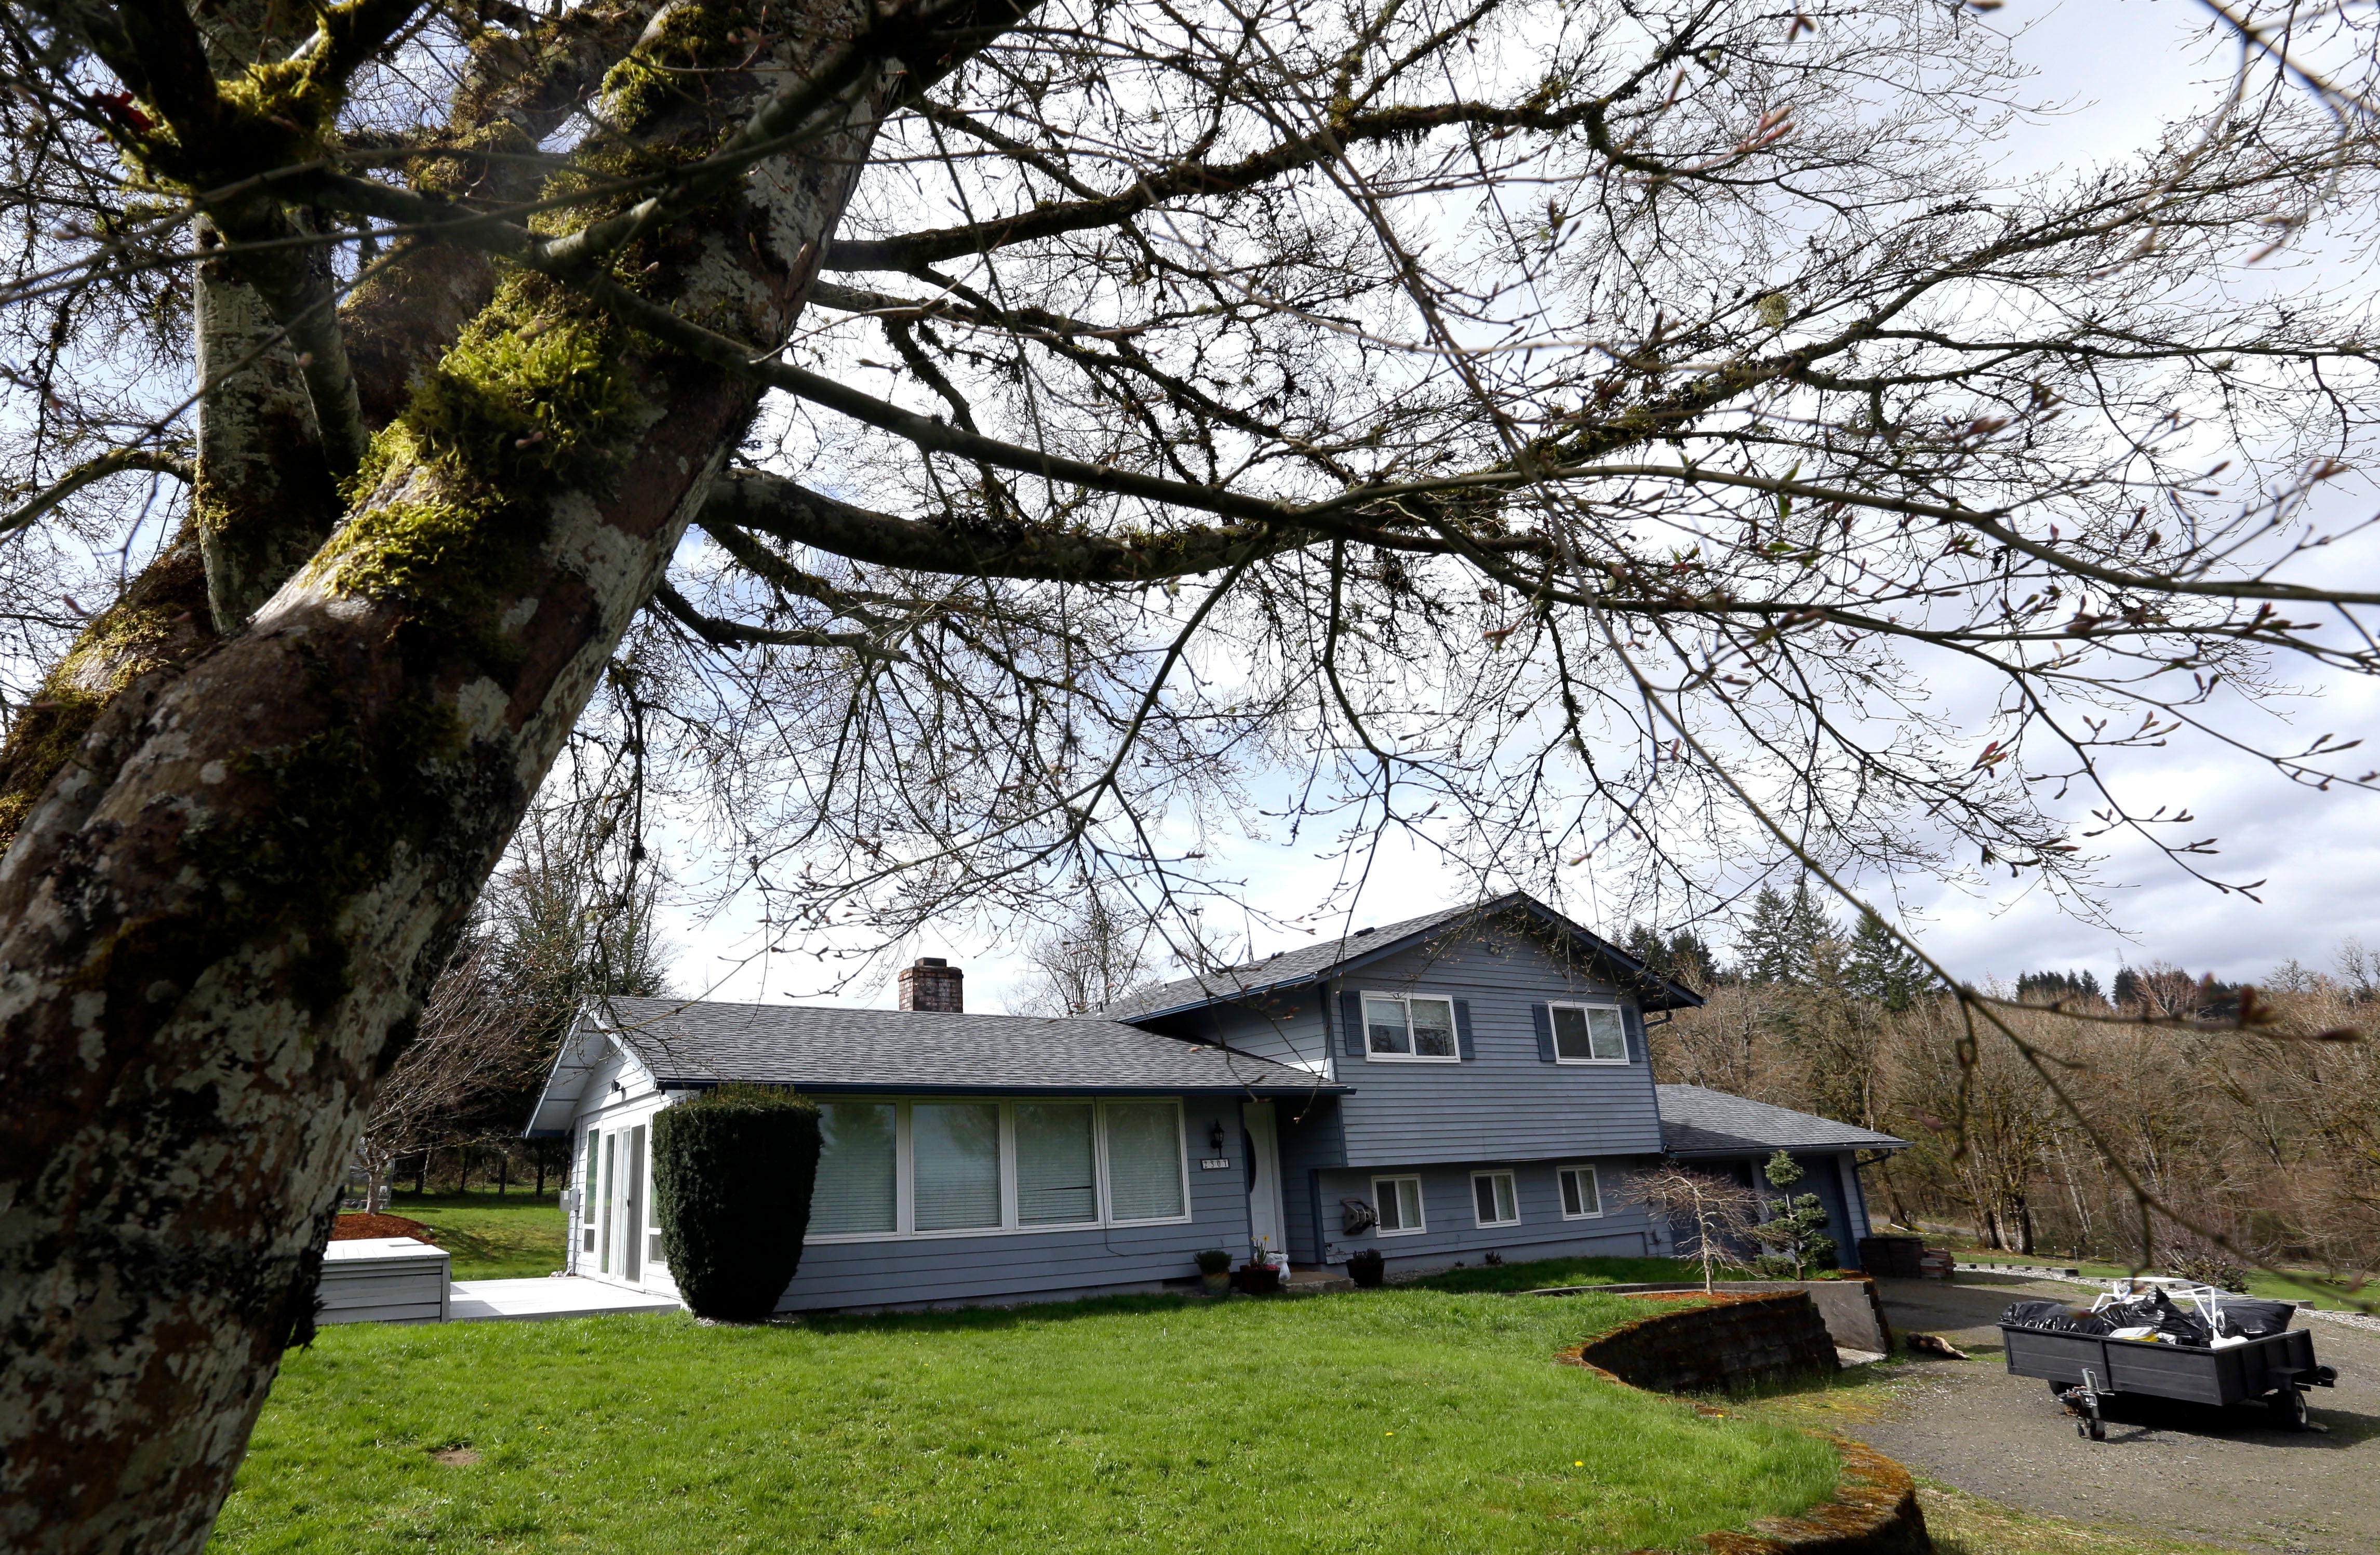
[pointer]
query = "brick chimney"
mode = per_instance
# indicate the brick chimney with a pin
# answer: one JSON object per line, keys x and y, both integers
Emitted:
{"x": 933, "y": 984}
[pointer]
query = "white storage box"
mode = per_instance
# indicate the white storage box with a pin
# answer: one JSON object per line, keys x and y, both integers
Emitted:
{"x": 384, "y": 1280}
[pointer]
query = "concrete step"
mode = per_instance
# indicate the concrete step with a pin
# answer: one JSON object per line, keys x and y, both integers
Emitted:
{"x": 1323, "y": 1278}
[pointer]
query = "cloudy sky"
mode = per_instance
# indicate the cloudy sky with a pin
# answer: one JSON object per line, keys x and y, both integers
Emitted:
{"x": 2121, "y": 68}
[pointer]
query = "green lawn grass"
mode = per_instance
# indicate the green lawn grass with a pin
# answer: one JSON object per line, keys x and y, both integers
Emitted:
{"x": 1377, "y": 1420}
{"x": 2273, "y": 1286}
{"x": 515, "y": 1236}
{"x": 1550, "y": 1272}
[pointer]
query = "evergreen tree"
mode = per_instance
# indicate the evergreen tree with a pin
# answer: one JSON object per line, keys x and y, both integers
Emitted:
{"x": 1791, "y": 1233}
{"x": 1777, "y": 945}
{"x": 1882, "y": 971}
{"x": 2127, "y": 987}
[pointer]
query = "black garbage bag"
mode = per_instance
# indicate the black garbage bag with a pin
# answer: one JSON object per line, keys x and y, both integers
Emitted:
{"x": 2247, "y": 1314}
{"x": 2055, "y": 1317}
{"x": 2157, "y": 1311}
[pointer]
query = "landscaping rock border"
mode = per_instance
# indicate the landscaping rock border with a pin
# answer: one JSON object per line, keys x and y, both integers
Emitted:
{"x": 1738, "y": 1341}
{"x": 1874, "y": 1510}
{"x": 1852, "y": 1309}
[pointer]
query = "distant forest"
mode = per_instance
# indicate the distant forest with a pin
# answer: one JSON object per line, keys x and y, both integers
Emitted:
{"x": 2271, "y": 1137}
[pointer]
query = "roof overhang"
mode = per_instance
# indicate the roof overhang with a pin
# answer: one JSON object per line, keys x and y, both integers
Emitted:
{"x": 1655, "y": 991}
{"x": 582, "y": 1051}
{"x": 1755, "y": 1148}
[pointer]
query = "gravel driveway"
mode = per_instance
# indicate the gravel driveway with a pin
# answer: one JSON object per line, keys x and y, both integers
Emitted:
{"x": 2186, "y": 1471}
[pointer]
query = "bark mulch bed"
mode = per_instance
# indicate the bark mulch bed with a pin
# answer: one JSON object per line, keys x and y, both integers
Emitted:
{"x": 351, "y": 1228}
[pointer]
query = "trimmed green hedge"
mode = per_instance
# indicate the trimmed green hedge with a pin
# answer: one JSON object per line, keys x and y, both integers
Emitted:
{"x": 733, "y": 1170}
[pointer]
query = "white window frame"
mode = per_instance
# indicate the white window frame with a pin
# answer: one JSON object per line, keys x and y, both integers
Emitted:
{"x": 1593, "y": 1175}
{"x": 904, "y": 1175}
{"x": 1476, "y": 1177}
{"x": 1404, "y": 1000}
{"x": 1421, "y": 1204}
{"x": 1619, "y": 1010}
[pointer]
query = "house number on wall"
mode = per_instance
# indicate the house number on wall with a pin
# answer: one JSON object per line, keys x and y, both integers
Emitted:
{"x": 1215, "y": 1164}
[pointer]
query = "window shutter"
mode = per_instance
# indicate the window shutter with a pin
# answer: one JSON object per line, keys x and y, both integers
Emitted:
{"x": 1351, "y": 1011}
{"x": 1543, "y": 1017}
{"x": 1463, "y": 1030}
{"x": 1632, "y": 1021}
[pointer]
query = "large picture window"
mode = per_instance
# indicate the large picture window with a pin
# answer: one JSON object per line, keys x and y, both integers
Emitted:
{"x": 1144, "y": 1160}
{"x": 858, "y": 1170}
{"x": 956, "y": 1167}
{"x": 1057, "y": 1166}
{"x": 1589, "y": 1033}
{"x": 1397, "y": 1025}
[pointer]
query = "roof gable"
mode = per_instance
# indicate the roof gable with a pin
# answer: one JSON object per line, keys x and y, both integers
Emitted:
{"x": 1313, "y": 963}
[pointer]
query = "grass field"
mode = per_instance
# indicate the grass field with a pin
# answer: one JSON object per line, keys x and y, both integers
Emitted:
{"x": 1552, "y": 1272}
{"x": 517, "y": 1236}
{"x": 2276, "y": 1287}
{"x": 1402, "y": 1419}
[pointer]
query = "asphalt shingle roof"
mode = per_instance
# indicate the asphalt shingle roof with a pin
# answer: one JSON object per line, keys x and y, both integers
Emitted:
{"x": 1309, "y": 962}
{"x": 1289, "y": 966}
{"x": 816, "y": 1047}
{"x": 1699, "y": 1122}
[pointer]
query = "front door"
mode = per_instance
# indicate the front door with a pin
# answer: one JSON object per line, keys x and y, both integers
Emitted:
{"x": 1267, "y": 1226}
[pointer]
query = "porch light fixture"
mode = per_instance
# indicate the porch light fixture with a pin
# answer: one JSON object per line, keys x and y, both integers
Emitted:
{"x": 1215, "y": 1136}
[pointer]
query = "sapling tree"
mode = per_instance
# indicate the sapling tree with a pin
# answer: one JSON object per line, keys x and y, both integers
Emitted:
{"x": 963, "y": 446}
{"x": 1711, "y": 1219}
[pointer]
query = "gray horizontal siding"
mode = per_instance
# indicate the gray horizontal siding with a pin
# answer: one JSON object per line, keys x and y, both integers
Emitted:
{"x": 1622, "y": 1231}
{"x": 1504, "y": 1104}
{"x": 1029, "y": 1265}
{"x": 1286, "y": 1027}
{"x": 1312, "y": 1139}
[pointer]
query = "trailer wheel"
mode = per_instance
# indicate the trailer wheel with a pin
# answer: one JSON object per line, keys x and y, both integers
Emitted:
{"x": 2061, "y": 1389}
{"x": 2289, "y": 1408}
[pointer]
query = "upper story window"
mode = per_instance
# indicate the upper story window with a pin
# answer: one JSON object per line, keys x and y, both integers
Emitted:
{"x": 1398, "y": 1026}
{"x": 1589, "y": 1033}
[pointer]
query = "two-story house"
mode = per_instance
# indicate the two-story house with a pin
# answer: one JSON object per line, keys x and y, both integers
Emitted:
{"x": 1468, "y": 1082}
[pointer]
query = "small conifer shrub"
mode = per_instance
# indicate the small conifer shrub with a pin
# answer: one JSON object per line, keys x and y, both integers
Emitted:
{"x": 733, "y": 1170}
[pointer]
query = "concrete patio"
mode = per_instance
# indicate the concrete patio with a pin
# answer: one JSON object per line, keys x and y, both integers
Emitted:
{"x": 530, "y": 1301}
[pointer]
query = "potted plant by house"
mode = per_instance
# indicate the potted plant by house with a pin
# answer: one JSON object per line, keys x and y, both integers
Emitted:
{"x": 1215, "y": 1271}
{"x": 1258, "y": 1276}
{"x": 1367, "y": 1268}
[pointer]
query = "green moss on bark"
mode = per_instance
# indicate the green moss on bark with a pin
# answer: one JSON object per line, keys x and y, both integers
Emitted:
{"x": 157, "y": 625}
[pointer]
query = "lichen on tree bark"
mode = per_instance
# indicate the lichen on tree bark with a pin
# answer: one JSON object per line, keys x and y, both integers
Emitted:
{"x": 216, "y": 924}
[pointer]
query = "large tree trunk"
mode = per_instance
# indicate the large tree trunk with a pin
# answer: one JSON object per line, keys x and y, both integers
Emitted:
{"x": 216, "y": 924}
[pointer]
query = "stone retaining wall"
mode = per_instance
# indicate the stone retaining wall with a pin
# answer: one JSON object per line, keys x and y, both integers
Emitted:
{"x": 1853, "y": 1311}
{"x": 1739, "y": 1342}
{"x": 1874, "y": 1510}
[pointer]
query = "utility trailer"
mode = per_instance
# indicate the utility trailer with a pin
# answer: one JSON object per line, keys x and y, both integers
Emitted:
{"x": 2081, "y": 1369}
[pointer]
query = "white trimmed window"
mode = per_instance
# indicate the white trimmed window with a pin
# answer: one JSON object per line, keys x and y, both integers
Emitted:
{"x": 1397, "y": 1200}
{"x": 890, "y": 1169}
{"x": 1582, "y": 1196}
{"x": 1493, "y": 1201}
{"x": 1399, "y": 1025}
{"x": 1589, "y": 1033}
